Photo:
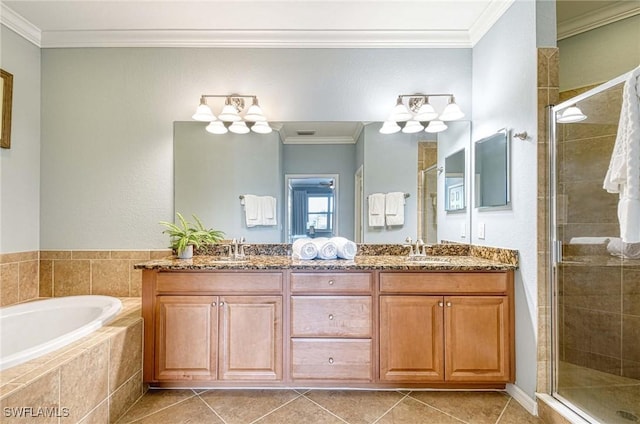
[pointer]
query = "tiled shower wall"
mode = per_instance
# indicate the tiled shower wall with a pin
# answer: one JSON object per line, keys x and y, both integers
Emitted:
{"x": 52, "y": 273}
{"x": 548, "y": 88}
{"x": 599, "y": 305}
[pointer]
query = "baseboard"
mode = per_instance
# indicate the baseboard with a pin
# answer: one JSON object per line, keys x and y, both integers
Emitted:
{"x": 527, "y": 402}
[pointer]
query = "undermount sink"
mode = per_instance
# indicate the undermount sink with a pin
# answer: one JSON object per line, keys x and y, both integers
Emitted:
{"x": 427, "y": 260}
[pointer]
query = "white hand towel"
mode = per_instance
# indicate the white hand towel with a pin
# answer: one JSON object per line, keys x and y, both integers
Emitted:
{"x": 304, "y": 248}
{"x": 394, "y": 208}
{"x": 376, "y": 209}
{"x": 346, "y": 249}
{"x": 326, "y": 248}
{"x": 623, "y": 175}
{"x": 269, "y": 210}
{"x": 253, "y": 210}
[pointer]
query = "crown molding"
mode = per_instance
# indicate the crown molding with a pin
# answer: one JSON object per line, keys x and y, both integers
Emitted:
{"x": 20, "y": 25}
{"x": 597, "y": 18}
{"x": 258, "y": 39}
{"x": 489, "y": 16}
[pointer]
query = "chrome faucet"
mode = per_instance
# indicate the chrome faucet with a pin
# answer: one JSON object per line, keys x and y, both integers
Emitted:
{"x": 417, "y": 249}
{"x": 236, "y": 248}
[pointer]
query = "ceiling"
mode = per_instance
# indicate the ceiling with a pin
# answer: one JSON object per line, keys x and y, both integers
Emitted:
{"x": 282, "y": 23}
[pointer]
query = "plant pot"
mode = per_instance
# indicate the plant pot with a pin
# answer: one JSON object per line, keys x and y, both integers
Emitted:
{"x": 187, "y": 253}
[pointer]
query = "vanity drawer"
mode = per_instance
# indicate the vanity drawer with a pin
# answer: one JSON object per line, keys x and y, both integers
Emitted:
{"x": 331, "y": 359}
{"x": 336, "y": 282}
{"x": 445, "y": 282}
{"x": 331, "y": 316}
{"x": 234, "y": 282}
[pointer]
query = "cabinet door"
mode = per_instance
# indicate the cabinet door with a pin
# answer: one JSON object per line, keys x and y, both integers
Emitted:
{"x": 250, "y": 338}
{"x": 477, "y": 338}
{"x": 411, "y": 338}
{"x": 186, "y": 337}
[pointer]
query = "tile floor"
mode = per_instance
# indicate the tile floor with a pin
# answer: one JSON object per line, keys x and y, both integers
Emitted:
{"x": 326, "y": 406}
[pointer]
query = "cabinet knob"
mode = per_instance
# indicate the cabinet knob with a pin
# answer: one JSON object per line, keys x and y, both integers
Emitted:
{"x": 330, "y": 316}
{"x": 449, "y": 304}
{"x": 331, "y": 282}
{"x": 213, "y": 303}
{"x": 331, "y": 360}
{"x": 441, "y": 304}
{"x": 221, "y": 303}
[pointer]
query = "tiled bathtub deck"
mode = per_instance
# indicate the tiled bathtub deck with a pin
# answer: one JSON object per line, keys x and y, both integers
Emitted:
{"x": 94, "y": 380}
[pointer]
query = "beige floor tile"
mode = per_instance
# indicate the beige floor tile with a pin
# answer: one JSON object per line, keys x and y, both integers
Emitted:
{"x": 471, "y": 407}
{"x": 154, "y": 401}
{"x": 191, "y": 411}
{"x": 300, "y": 411}
{"x": 245, "y": 406}
{"x": 516, "y": 414}
{"x": 356, "y": 406}
{"x": 410, "y": 411}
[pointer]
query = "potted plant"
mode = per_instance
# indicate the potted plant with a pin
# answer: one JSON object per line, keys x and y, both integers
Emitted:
{"x": 187, "y": 235}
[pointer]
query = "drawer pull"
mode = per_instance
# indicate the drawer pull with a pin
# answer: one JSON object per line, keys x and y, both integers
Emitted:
{"x": 331, "y": 282}
{"x": 449, "y": 304}
{"x": 331, "y": 360}
{"x": 330, "y": 316}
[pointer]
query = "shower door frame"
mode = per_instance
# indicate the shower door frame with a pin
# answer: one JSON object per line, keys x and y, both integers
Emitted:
{"x": 555, "y": 244}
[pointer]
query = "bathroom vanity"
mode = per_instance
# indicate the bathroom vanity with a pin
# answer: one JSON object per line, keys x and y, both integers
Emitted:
{"x": 374, "y": 322}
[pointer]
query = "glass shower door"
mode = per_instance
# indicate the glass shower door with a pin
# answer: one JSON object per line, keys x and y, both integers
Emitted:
{"x": 596, "y": 311}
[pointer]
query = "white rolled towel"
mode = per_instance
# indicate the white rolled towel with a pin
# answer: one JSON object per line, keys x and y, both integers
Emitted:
{"x": 346, "y": 248}
{"x": 304, "y": 248}
{"x": 326, "y": 248}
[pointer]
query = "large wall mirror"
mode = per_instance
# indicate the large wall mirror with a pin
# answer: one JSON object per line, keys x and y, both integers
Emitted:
{"x": 491, "y": 180}
{"x": 342, "y": 164}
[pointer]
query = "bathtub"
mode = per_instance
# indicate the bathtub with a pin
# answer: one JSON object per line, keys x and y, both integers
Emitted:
{"x": 29, "y": 330}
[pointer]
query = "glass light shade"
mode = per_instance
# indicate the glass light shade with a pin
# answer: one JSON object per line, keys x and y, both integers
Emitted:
{"x": 412, "y": 127}
{"x": 570, "y": 115}
{"x": 203, "y": 113}
{"x": 400, "y": 113}
{"x": 261, "y": 127}
{"x": 436, "y": 127}
{"x": 426, "y": 113}
{"x": 239, "y": 127}
{"x": 254, "y": 114}
{"x": 451, "y": 113}
{"x": 216, "y": 127}
{"x": 389, "y": 127}
{"x": 229, "y": 114}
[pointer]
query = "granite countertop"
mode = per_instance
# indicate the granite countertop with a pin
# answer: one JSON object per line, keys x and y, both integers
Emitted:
{"x": 361, "y": 262}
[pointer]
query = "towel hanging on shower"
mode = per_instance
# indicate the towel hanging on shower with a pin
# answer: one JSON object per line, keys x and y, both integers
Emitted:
{"x": 623, "y": 175}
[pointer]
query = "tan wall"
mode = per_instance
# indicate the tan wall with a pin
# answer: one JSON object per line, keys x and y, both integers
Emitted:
{"x": 52, "y": 273}
{"x": 105, "y": 272}
{"x": 18, "y": 277}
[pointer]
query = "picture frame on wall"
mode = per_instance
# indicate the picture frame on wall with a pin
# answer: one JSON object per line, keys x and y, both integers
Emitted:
{"x": 6, "y": 93}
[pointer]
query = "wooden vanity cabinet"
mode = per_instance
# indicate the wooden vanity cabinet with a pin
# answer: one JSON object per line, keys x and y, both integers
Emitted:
{"x": 331, "y": 327}
{"x": 202, "y": 334}
{"x": 446, "y": 327}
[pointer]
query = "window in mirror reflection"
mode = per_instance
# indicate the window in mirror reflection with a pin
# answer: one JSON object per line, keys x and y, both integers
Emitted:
{"x": 311, "y": 207}
{"x": 454, "y": 184}
{"x": 492, "y": 171}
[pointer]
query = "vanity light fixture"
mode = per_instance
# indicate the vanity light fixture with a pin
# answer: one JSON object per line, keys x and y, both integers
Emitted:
{"x": 570, "y": 115}
{"x": 413, "y": 111}
{"x": 230, "y": 118}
